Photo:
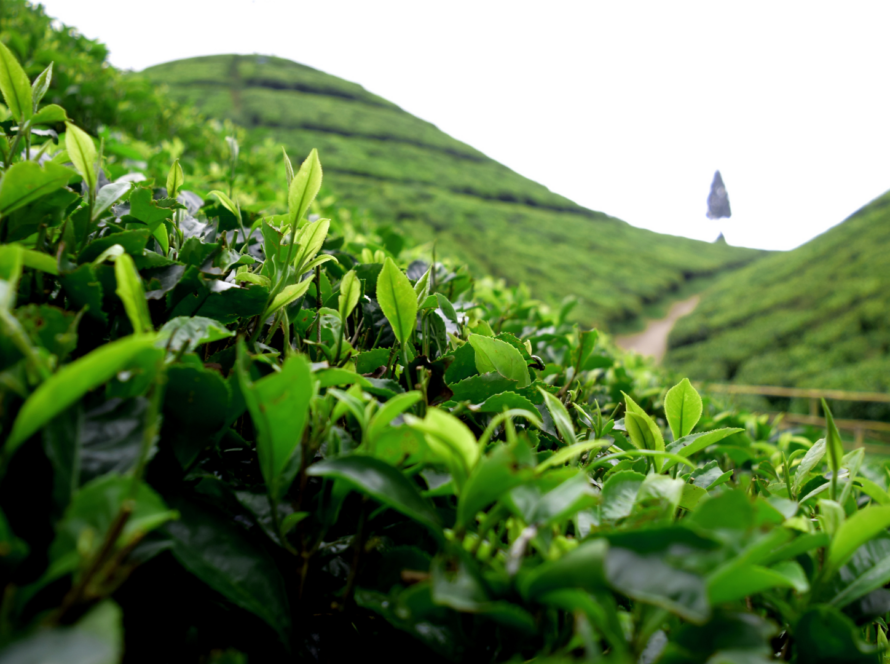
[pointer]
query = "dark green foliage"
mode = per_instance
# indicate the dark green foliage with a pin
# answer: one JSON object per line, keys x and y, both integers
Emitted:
{"x": 817, "y": 316}
{"x": 405, "y": 170}
{"x": 288, "y": 443}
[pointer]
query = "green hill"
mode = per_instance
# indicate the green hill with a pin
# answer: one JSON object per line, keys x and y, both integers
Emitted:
{"x": 405, "y": 170}
{"x": 817, "y": 316}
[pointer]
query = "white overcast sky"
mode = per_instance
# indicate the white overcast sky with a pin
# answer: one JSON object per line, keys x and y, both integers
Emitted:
{"x": 624, "y": 107}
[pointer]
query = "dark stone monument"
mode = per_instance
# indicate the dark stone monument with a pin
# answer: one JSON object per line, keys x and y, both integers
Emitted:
{"x": 718, "y": 199}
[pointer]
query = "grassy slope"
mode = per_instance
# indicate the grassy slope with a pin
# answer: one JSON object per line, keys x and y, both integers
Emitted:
{"x": 818, "y": 316}
{"x": 406, "y": 170}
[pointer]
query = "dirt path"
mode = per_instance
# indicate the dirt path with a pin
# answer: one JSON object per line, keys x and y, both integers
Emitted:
{"x": 653, "y": 340}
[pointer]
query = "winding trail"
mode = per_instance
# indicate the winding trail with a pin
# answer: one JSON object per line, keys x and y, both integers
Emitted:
{"x": 653, "y": 340}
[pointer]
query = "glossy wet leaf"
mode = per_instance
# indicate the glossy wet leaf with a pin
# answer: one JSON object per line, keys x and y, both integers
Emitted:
{"x": 216, "y": 550}
{"x": 867, "y": 569}
{"x": 108, "y": 196}
{"x": 382, "y": 482}
{"x": 70, "y": 383}
{"x": 397, "y": 300}
{"x": 856, "y": 531}
{"x": 683, "y": 408}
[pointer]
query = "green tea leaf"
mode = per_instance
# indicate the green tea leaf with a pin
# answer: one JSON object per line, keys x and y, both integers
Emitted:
{"x": 696, "y": 442}
{"x": 15, "y": 86}
{"x": 26, "y": 181}
{"x": 390, "y": 410}
{"x": 83, "y": 155}
{"x": 350, "y": 291}
{"x": 70, "y": 383}
{"x": 739, "y": 582}
{"x": 304, "y": 188}
{"x": 287, "y": 295}
{"x": 450, "y": 439}
{"x": 175, "y": 179}
{"x": 683, "y": 408}
{"x": 495, "y": 355}
{"x": 868, "y": 569}
{"x": 447, "y": 308}
{"x": 279, "y": 408}
{"x": 582, "y": 568}
{"x": 856, "y": 531}
{"x": 833, "y": 444}
{"x": 824, "y": 635}
{"x": 50, "y": 114}
{"x": 227, "y": 203}
{"x": 383, "y": 483}
{"x": 643, "y": 431}
{"x": 189, "y": 332}
{"x": 811, "y": 459}
{"x": 130, "y": 291}
{"x": 108, "y": 196}
{"x": 494, "y": 475}
{"x": 215, "y": 549}
{"x": 41, "y": 85}
{"x": 620, "y": 494}
{"x": 397, "y": 300}
{"x": 310, "y": 240}
{"x": 560, "y": 415}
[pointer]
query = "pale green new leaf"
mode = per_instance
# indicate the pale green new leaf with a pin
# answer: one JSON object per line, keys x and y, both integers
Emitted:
{"x": 288, "y": 168}
{"x": 350, "y": 291}
{"x": 129, "y": 290}
{"x": 71, "y": 382}
{"x": 310, "y": 240}
{"x": 304, "y": 187}
{"x": 496, "y": 355}
{"x": 811, "y": 459}
{"x": 25, "y": 182}
{"x": 41, "y": 85}
{"x": 558, "y": 412}
{"x": 856, "y": 531}
{"x": 15, "y": 86}
{"x": 175, "y": 180}
{"x": 287, "y": 295}
{"x": 49, "y": 115}
{"x": 227, "y": 203}
{"x": 279, "y": 407}
{"x": 683, "y": 408}
{"x": 571, "y": 452}
{"x": 82, "y": 153}
{"x": 833, "y": 444}
{"x": 397, "y": 300}
{"x": 390, "y": 410}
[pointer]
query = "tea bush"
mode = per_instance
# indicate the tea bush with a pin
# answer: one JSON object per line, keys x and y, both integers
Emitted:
{"x": 232, "y": 432}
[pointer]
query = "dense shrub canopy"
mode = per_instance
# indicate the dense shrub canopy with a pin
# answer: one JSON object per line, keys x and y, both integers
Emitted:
{"x": 276, "y": 431}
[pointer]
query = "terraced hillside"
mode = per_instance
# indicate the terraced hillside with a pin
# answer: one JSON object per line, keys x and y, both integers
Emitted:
{"x": 405, "y": 170}
{"x": 818, "y": 316}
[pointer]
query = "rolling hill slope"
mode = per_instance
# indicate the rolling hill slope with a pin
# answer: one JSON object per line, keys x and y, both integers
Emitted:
{"x": 817, "y": 316}
{"x": 405, "y": 170}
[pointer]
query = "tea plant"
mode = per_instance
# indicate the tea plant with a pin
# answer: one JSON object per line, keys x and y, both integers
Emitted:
{"x": 227, "y": 432}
